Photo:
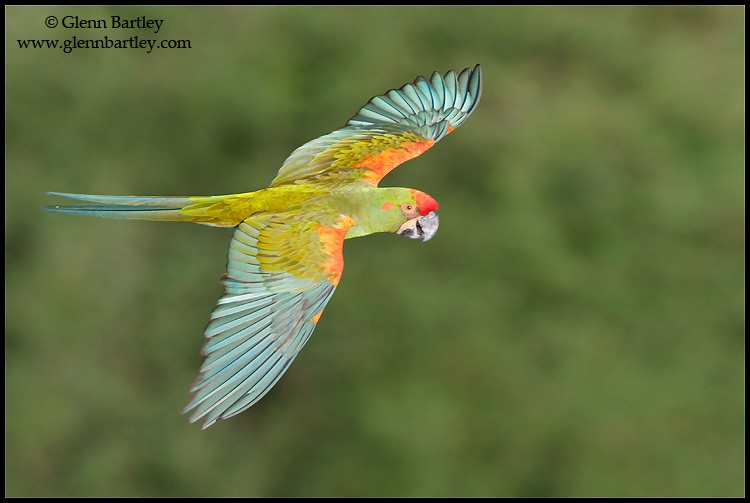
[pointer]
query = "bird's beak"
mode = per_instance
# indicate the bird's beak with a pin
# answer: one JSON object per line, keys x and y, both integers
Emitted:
{"x": 421, "y": 227}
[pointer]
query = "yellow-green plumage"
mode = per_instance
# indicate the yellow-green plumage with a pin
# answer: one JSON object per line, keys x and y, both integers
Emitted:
{"x": 285, "y": 258}
{"x": 232, "y": 209}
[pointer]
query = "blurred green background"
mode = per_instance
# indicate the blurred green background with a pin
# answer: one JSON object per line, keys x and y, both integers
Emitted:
{"x": 576, "y": 328}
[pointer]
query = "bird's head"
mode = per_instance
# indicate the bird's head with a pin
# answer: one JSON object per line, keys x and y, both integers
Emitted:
{"x": 413, "y": 213}
{"x": 407, "y": 212}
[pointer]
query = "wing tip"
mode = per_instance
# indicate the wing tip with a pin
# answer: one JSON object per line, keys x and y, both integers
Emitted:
{"x": 461, "y": 91}
{"x": 196, "y": 416}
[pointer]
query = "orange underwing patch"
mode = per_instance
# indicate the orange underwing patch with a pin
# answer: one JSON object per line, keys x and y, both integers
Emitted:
{"x": 315, "y": 318}
{"x": 382, "y": 163}
{"x": 332, "y": 239}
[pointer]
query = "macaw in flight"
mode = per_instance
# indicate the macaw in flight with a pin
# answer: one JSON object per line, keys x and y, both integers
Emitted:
{"x": 285, "y": 258}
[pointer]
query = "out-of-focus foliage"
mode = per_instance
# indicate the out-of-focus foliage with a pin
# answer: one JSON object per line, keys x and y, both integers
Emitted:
{"x": 576, "y": 328}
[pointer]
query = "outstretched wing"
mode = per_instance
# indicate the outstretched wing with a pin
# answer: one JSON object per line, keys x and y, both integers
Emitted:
{"x": 282, "y": 270}
{"x": 390, "y": 129}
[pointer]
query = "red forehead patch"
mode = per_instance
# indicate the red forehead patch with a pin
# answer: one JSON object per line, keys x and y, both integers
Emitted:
{"x": 425, "y": 203}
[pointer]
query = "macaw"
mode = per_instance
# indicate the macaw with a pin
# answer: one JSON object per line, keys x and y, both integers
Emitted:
{"x": 285, "y": 258}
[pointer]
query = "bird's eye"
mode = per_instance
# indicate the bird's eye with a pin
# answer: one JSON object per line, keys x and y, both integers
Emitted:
{"x": 410, "y": 210}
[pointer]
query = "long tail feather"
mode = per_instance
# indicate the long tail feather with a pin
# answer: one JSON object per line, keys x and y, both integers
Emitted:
{"x": 129, "y": 207}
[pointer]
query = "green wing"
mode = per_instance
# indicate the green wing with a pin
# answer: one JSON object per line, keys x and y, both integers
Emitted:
{"x": 390, "y": 129}
{"x": 281, "y": 272}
